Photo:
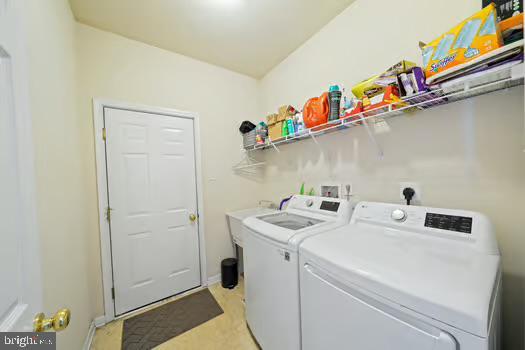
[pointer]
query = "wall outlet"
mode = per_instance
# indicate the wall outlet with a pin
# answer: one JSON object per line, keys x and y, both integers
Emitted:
{"x": 331, "y": 190}
{"x": 415, "y": 186}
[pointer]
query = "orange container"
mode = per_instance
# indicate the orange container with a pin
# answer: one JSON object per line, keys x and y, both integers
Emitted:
{"x": 390, "y": 99}
{"x": 315, "y": 111}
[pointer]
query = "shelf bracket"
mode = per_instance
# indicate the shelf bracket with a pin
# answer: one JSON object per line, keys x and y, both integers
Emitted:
{"x": 247, "y": 166}
{"x": 372, "y": 138}
{"x": 313, "y": 137}
{"x": 275, "y": 147}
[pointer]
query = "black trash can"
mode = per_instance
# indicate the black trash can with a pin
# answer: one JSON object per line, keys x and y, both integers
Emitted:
{"x": 229, "y": 273}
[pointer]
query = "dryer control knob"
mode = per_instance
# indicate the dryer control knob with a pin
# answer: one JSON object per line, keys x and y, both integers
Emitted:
{"x": 398, "y": 215}
{"x": 309, "y": 202}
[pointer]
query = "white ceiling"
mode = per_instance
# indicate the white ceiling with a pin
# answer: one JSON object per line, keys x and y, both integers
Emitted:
{"x": 246, "y": 36}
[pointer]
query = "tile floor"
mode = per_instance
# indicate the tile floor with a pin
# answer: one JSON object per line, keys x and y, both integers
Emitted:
{"x": 227, "y": 331}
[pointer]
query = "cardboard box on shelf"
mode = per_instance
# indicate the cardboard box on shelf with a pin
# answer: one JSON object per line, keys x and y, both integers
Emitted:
{"x": 271, "y": 118}
{"x": 475, "y": 36}
{"x": 275, "y": 130}
{"x": 281, "y": 117}
{"x": 286, "y": 111}
{"x": 377, "y": 84}
{"x": 398, "y": 68}
{"x": 383, "y": 102}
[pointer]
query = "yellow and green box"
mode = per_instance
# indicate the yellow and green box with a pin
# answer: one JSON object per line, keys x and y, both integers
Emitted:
{"x": 475, "y": 36}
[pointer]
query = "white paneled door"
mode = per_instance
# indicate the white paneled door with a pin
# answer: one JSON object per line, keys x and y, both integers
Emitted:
{"x": 20, "y": 278}
{"x": 152, "y": 198}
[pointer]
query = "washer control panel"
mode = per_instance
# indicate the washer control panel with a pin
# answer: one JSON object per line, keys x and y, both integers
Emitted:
{"x": 331, "y": 207}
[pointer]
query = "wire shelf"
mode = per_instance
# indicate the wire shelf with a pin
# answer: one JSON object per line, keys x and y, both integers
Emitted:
{"x": 498, "y": 78}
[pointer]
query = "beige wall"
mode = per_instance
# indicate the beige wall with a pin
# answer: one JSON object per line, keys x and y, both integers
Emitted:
{"x": 467, "y": 155}
{"x": 60, "y": 166}
{"x": 116, "y": 68}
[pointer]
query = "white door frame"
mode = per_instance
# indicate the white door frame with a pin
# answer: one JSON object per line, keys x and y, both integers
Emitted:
{"x": 100, "y": 155}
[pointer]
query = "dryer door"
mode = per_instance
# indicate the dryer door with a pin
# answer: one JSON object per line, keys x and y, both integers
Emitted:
{"x": 335, "y": 316}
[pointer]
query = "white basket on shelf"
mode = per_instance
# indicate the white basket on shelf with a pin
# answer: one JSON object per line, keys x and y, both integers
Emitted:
{"x": 248, "y": 139}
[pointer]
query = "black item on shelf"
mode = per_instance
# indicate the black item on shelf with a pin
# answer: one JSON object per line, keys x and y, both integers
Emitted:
{"x": 505, "y": 8}
{"x": 229, "y": 273}
{"x": 335, "y": 104}
{"x": 512, "y": 36}
{"x": 246, "y": 127}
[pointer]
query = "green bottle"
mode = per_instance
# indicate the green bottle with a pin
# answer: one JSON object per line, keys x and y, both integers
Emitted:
{"x": 284, "y": 130}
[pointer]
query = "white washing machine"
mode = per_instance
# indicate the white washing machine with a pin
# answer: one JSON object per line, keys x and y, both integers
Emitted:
{"x": 271, "y": 266}
{"x": 402, "y": 278}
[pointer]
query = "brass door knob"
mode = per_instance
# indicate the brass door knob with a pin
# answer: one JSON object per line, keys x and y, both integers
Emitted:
{"x": 58, "y": 322}
{"x": 193, "y": 217}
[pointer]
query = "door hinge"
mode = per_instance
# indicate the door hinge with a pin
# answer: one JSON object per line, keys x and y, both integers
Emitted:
{"x": 113, "y": 293}
{"x": 104, "y": 134}
{"x": 108, "y": 214}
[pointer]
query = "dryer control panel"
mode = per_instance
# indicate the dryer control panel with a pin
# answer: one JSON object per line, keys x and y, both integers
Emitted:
{"x": 449, "y": 222}
{"x": 464, "y": 225}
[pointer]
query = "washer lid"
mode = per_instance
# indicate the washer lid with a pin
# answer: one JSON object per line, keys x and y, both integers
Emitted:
{"x": 428, "y": 275}
{"x": 290, "y": 221}
{"x": 283, "y": 226}
{"x": 304, "y": 216}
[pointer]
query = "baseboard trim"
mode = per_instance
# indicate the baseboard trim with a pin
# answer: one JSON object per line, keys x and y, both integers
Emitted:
{"x": 89, "y": 336}
{"x": 99, "y": 321}
{"x": 214, "y": 279}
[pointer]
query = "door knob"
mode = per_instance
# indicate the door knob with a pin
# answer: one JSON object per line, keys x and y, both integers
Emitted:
{"x": 193, "y": 217}
{"x": 58, "y": 322}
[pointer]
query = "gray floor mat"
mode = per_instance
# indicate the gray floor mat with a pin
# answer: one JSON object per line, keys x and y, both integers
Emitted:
{"x": 154, "y": 327}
